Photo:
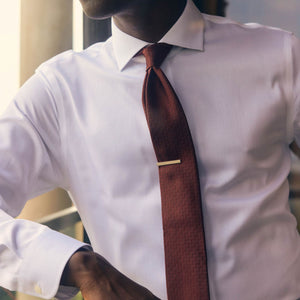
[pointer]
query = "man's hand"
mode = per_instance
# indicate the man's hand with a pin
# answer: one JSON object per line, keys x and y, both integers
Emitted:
{"x": 98, "y": 280}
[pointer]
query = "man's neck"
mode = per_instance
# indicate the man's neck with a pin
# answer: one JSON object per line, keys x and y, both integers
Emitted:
{"x": 150, "y": 21}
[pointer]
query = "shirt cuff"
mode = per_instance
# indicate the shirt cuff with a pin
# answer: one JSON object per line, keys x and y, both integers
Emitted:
{"x": 44, "y": 263}
{"x": 66, "y": 292}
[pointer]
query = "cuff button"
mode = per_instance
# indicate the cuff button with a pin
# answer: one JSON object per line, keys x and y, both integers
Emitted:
{"x": 38, "y": 289}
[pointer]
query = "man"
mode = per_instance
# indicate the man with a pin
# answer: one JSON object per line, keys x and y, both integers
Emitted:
{"x": 78, "y": 123}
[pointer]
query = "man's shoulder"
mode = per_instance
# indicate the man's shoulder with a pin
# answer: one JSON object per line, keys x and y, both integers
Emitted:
{"x": 72, "y": 60}
{"x": 231, "y": 26}
{"x": 226, "y": 29}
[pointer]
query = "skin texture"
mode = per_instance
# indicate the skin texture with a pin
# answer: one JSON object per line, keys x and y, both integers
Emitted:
{"x": 147, "y": 20}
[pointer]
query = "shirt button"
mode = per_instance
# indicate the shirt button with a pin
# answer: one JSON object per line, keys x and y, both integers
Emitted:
{"x": 38, "y": 289}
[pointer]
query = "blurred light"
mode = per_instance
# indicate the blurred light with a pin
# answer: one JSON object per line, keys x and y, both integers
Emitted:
{"x": 9, "y": 51}
{"x": 77, "y": 26}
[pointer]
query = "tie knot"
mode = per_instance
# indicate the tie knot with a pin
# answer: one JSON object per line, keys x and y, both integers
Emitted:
{"x": 155, "y": 54}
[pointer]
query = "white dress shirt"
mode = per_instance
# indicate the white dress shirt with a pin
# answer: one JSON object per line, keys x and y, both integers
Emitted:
{"x": 78, "y": 123}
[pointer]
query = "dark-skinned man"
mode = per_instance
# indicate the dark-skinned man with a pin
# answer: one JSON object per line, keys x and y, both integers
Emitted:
{"x": 79, "y": 123}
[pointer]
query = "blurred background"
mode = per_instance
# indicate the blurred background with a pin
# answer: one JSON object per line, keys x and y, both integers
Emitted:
{"x": 32, "y": 31}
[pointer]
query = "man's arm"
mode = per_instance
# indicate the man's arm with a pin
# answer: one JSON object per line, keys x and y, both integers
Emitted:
{"x": 32, "y": 257}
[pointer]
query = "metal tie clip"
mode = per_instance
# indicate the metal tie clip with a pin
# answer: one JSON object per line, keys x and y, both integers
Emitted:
{"x": 167, "y": 163}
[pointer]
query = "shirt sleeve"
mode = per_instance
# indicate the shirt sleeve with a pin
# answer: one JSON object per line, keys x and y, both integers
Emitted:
{"x": 32, "y": 257}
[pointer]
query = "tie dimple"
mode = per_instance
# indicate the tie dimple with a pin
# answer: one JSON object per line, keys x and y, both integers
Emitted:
{"x": 155, "y": 54}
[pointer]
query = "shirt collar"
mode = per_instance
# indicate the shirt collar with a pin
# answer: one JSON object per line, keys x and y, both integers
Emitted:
{"x": 187, "y": 32}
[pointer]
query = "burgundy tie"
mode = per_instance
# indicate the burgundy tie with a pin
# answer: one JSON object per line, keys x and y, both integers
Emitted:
{"x": 184, "y": 242}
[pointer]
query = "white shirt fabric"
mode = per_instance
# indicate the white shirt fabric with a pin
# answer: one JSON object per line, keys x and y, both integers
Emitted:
{"x": 78, "y": 123}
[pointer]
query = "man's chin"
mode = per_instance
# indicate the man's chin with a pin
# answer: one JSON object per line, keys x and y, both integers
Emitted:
{"x": 100, "y": 9}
